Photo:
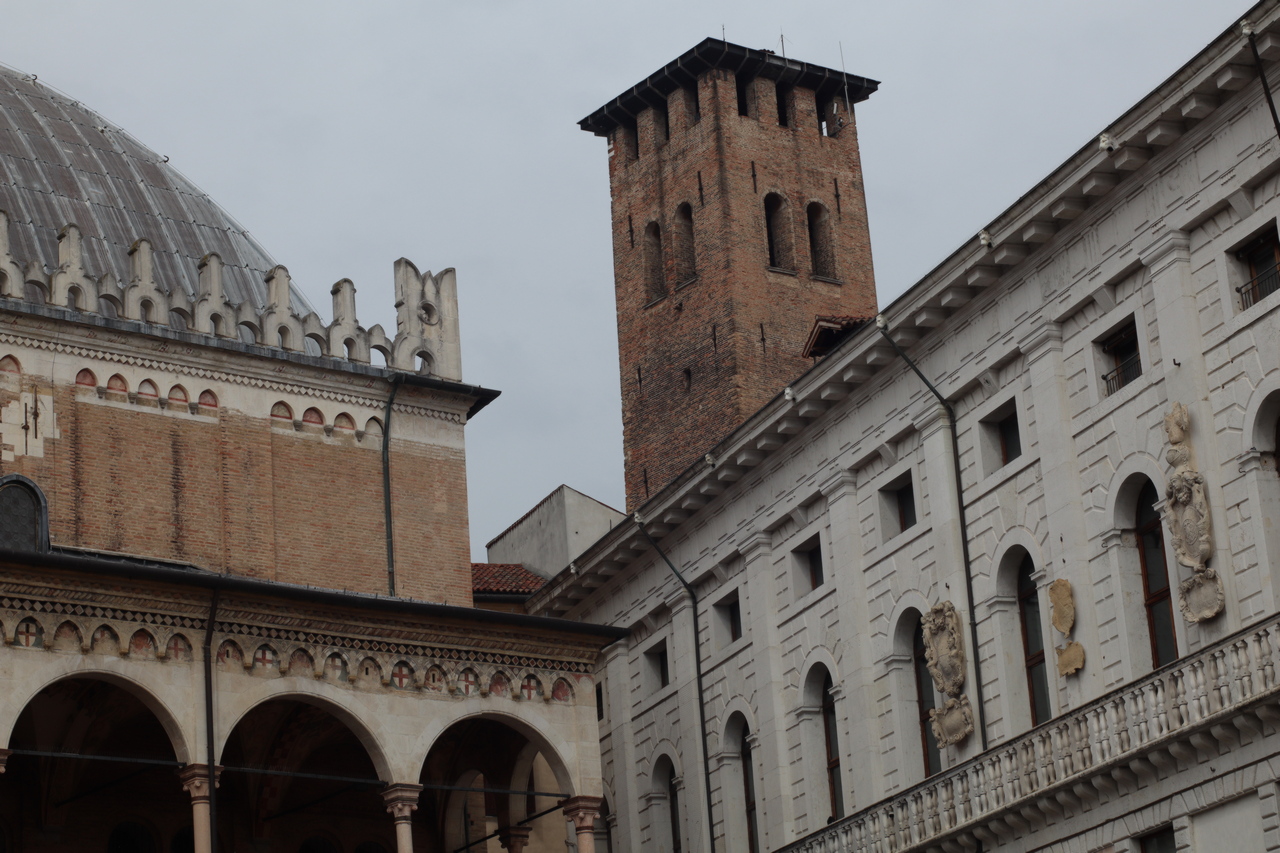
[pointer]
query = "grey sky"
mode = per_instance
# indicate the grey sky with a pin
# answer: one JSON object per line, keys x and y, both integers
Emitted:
{"x": 345, "y": 135}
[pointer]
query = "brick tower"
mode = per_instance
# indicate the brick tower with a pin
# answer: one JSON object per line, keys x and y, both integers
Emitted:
{"x": 738, "y": 218}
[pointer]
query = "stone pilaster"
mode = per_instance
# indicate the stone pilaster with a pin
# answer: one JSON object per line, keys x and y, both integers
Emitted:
{"x": 514, "y": 838}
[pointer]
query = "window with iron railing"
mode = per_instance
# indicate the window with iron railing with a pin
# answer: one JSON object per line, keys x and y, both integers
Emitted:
{"x": 1120, "y": 351}
{"x": 1262, "y": 257}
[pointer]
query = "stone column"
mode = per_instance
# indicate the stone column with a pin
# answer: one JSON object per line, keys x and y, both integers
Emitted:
{"x": 514, "y": 838}
{"x": 4, "y": 758}
{"x": 195, "y": 781}
{"x": 402, "y": 802}
{"x": 583, "y": 811}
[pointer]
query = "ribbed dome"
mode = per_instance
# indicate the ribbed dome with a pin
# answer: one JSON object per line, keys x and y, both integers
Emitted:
{"x": 62, "y": 163}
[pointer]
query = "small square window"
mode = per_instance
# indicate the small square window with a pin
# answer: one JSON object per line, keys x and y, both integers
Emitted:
{"x": 898, "y": 506}
{"x": 658, "y": 670}
{"x": 1261, "y": 258}
{"x": 728, "y": 619}
{"x": 1001, "y": 438}
{"x": 809, "y": 570}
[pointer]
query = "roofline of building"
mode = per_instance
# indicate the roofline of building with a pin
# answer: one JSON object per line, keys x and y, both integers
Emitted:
{"x": 482, "y": 396}
{"x": 141, "y": 569}
{"x": 971, "y": 268}
{"x": 714, "y": 53}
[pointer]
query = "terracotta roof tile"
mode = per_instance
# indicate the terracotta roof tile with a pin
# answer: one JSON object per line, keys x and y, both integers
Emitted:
{"x": 504, "y": 578}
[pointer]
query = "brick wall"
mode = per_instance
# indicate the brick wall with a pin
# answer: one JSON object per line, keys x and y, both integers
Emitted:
{"x": 738, "y": 328}
{"x": 241, "y": 492}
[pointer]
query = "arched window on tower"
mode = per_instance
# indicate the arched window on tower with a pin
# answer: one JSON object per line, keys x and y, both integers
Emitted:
{"x": 1155, "y": 577}
{"x": 739, "y": 786}
{"x": 24, "y": 515}
{"x": 821, "y": 249}
{"x": 664, "y": 807}
{"x": 1033, "y": 642}
{"x": 778, "y": 232}
{"x": 925, "y": 702}
{"x": 654, "y": 275}
{"x": 686, "y": 260}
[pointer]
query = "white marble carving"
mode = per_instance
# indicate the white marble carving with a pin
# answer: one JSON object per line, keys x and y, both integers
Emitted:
{"x": 1186, "y": 511}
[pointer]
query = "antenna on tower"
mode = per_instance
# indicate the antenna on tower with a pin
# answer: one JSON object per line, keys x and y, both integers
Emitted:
{"x": 723, "y": 37}
{"x": 782, "y": 41}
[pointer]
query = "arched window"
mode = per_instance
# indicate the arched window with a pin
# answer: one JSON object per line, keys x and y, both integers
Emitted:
{"x": 831, "y": 736}
{"x": 778, "y": 232}
{"x": 665, "y": 822}
{"x": 655, "y": 284}
{"x": 821, "y": 250}
{"x": 86, "y": 377}
{"x": 749, "y": 794}
{"x": 925, "y": 702}
{"x": 1033, "y": 642}
{"x": 24, "y": 515}
{"x": 686, "y": 260}
{"x": 1155, "y": 577}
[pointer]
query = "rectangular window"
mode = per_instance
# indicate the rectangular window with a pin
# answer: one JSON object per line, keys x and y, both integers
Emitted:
{"x": 659, "y": 670}
{"x": 1161, "y": 841}
{"x": 599, "y": 701}
{"x": 1120, "y": 357}
{"x": 729, "y": 619}
{"x": 1000, "y": 438}
{"x": 809, "y": 571}
{"x": 898, "y": 506}
{"x": 1262, "y": 258}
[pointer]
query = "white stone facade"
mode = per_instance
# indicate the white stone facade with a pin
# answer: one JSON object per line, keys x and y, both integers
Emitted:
{"x": 1142, "y": 227}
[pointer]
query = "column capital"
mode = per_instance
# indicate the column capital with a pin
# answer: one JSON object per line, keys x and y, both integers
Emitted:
{"x": 1045, "y": 336}
{"x": 4, "y": 758}
{"x": 930, "y": 419}
{"x": 401, "y": 800}
{"x": 1112, "y": 538}
{"x": 840, "y": 484}
{"x": 514, "y": 838}
{"x": 1167, "y": 248}
{"x": 583, "y": 811}
{"x": 195, "y": 780}
{"x": 1251, "y": 460}
{"x": 754, "y": 543}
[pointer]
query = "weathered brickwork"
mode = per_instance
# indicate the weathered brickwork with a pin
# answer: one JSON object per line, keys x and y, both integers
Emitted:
{"x": 723, "y": 331}
{"x": 294, "y": 499}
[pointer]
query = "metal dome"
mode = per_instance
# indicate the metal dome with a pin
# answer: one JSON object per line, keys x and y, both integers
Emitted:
{"x": 62, "y": 163}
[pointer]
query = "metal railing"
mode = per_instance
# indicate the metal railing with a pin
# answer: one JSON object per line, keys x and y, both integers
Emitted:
{"x": 1259, "y": 288}
{"x": 1128, "y": 370}
{"x": 1176, "y": 714}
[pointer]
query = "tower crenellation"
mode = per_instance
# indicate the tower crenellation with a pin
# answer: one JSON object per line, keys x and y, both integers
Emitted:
{"x": 738, "y": 219}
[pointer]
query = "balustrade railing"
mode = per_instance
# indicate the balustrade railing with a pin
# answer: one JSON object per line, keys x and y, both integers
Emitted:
{"x": 1086, "y": 753}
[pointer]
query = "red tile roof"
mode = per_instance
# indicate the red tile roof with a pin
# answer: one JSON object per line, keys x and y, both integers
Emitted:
{"x": 828, "y": 332}
{"x": 509, "y": 578}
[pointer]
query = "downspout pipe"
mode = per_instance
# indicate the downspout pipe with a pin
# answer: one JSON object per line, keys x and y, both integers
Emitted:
{"x": 883, "y": 325}
{"x": 207, "y": 651}
{"x": 386, "y": 484}
{"x": 697, "y": 666}
{"x": 1247, "y": 29}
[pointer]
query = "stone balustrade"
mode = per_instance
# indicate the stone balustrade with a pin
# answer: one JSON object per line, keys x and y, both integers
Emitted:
{"x": 1178, "y": 715}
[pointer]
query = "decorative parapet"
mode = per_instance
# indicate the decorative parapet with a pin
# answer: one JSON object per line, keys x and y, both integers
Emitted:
{"x": 426, "y": 339}
{"x": 1174, "y": 717}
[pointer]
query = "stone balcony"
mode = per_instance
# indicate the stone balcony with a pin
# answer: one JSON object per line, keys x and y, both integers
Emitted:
{"x": 1187, "y": 712}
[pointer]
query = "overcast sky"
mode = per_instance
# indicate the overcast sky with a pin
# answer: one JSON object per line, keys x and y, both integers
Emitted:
{"x": 346, "y": 135}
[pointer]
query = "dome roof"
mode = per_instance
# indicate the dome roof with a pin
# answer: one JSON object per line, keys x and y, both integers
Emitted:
{"x": 62, "y": 163}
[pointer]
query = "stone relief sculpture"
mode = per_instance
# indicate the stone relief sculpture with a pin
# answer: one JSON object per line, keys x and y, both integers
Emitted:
{"x": 1186, "y": 511}
{"x": 1063, "y": 617}
{"x": 944, "y": 647}
{"x": 944, "y": 655}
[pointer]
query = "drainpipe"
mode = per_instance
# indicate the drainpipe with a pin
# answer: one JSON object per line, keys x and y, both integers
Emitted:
{"x": 386, "y": 484}
{"x": 207, "y": 650}
{"x": 697, "y": 665}
{"x": 1247, "y": 29}
{"x": 883, "y": 325}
